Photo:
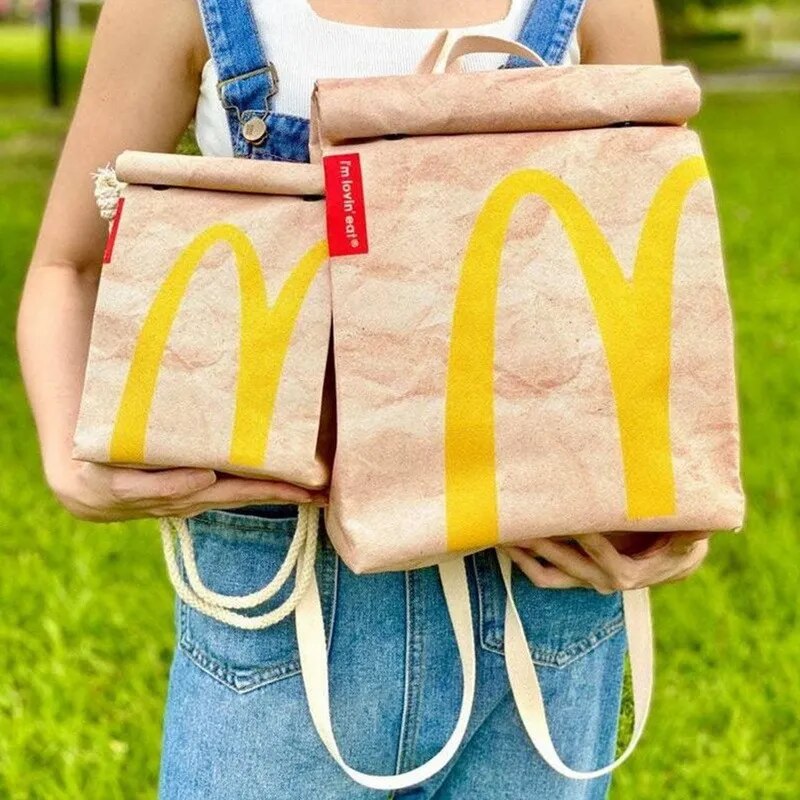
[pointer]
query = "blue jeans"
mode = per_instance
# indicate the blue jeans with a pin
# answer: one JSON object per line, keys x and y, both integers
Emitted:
{"x": 237, "y": 726}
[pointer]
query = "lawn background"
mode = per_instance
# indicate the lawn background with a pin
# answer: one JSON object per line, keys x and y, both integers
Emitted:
{"x": 85, "y": 611}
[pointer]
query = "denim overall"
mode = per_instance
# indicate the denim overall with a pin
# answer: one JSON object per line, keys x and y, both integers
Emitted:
{"x": 237, "y": 725}
{"x": 248, "y": 80}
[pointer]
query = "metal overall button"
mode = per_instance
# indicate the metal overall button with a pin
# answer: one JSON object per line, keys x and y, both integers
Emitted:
{"x": 254, "y": 130}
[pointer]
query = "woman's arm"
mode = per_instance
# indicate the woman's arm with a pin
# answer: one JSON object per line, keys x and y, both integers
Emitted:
{"x": 620, "y": 32}
{"x": 139, "y": 93}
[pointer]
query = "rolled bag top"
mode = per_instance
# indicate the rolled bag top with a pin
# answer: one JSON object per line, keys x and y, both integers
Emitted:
{"x": 516, "y": 100}
{"x": 221, "y": 174}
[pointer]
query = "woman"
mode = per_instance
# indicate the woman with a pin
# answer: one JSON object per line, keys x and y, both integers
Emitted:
{"x": 237, "y": 724}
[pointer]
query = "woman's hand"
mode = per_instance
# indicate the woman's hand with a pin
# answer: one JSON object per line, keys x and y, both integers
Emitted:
{"x": 107, "y": 494}
{"x": 611, "y": 563}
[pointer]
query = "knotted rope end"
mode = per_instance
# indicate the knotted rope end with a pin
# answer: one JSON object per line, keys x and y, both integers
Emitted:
{"x": 107, "y": 191}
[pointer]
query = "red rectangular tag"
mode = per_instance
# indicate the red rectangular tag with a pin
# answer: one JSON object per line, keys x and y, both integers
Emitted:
{"x": 112, "y": 234}
{"x": 344, "y": 203}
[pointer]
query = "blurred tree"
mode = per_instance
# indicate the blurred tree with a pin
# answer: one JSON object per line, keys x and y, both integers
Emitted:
{"x": 680, "y": 17}
{"x": 680, "y": 6}
{"x": 679, "y": 10}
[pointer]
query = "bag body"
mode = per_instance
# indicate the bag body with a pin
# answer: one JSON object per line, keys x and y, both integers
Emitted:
{"x": 532, "y": 332}
{"x": 211, "y": 331}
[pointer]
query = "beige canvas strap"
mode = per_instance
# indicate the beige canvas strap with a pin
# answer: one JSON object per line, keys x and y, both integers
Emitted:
{"x": 300, "y": 560}
{"x": 314, "y": 669}
{"x": 527, "y": 692}
{"x": 429, "y": 61}
{"x": 447, "y": 48}
{"x": 455, "y": 48}
{"x": 305, "y": 601}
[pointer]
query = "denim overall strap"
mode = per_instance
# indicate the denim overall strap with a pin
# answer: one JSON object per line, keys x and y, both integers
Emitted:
{"x": 247, "y": 82}
{"x": 547, "y": 29}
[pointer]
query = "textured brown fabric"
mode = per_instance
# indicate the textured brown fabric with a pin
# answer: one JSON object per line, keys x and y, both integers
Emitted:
{"x": 555, "y": 98}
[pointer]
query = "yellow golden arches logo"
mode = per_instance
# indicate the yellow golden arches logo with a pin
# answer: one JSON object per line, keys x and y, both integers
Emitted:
{"x": 265, "y": 332}
{"x": 634, "y": 319}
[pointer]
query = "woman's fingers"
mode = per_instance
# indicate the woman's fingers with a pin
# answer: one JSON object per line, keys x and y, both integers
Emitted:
{"x": 135, "y": 487}
{"x": 231, "y": 491}
{"x": 185, "y": 492}
{"x": 600, "y": 549}
{"x": 685, "y": 541}
{"x": 593, "y": 560}
{"x": 572, "y": 561}
{"x": 693, "y": 558}
{"x": 545, "y": 577}
{"x": 681, "y": 555}
{"x": 109, "y": 493}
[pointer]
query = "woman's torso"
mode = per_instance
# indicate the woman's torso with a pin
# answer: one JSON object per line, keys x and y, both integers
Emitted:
{"x": 305, "y": 46}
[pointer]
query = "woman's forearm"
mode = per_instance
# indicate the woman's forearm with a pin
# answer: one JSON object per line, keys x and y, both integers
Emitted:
{"x": 125, "y": 103}
{"x": 53, "y": 330}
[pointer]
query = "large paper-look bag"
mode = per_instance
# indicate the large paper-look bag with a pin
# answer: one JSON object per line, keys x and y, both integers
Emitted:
{"x": 212, "y": 323}
{"x": 532, "y": 337}
{"x": 532, "y": 332}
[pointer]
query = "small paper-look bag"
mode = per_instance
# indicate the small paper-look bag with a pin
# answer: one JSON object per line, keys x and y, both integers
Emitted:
{"x": 212, "y": 324}
{"x": 532, "y": 332}
{"x": 210, "y": 341}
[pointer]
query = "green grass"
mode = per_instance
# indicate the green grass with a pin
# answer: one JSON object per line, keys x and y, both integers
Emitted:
{"x": 85, "y": 611}
{"x": 725, "y": 719}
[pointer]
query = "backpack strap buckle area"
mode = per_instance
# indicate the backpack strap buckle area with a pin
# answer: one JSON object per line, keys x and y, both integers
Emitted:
{"x": 247, "y": 79}
{"x": 247, "y": 98}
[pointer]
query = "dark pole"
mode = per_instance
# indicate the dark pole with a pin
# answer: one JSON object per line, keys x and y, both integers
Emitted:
{"x": 54, "y": 60}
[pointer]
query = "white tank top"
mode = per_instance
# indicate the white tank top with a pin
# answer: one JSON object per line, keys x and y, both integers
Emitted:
{"x": 305, "y": 47}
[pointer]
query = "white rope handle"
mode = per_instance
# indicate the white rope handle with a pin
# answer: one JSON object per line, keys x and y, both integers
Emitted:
{"x": 528, "y": 694}
{"x": 300, "y": 559}
{"x": 314, "y": 670}
{"x": 254, "y": 599}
